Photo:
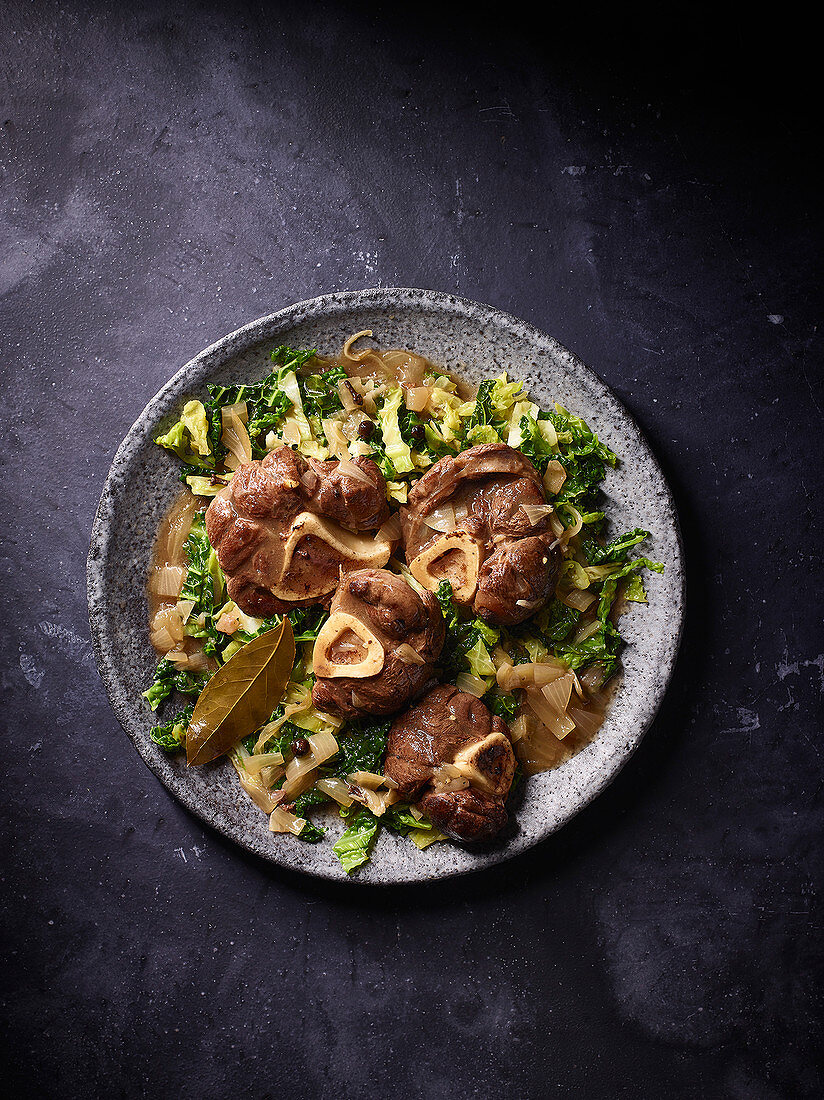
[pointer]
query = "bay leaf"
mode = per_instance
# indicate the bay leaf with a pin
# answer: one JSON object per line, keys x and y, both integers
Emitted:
{"x": 241, "y": 695}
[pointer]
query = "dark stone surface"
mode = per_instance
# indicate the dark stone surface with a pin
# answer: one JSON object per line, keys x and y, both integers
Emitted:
{"x": 169, "y": 171}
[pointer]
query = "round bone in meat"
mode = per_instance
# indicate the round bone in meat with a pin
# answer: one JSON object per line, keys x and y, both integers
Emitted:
{"x": 334, "y": 630}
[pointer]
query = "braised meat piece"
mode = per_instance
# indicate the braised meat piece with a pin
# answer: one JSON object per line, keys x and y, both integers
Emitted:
{"x": 357, "y": 503}
{"x": 479, "y": 520}
{"x": 377, "y": 649}
{"x": 469, "y": 815}
{"x": 453, "y": 758}
{"x": 284, "y": 526}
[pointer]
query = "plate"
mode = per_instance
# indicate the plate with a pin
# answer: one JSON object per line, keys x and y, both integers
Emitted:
{"x": 473, "y": 340}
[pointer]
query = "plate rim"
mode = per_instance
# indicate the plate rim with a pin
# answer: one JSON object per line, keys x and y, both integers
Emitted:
{"x": 246, "y": 337}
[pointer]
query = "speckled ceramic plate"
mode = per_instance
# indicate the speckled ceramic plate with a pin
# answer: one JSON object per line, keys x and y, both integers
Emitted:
{"x": 470, "y": 339}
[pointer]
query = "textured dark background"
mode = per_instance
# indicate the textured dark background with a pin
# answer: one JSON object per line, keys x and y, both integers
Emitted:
{"x": 643, "y": 192}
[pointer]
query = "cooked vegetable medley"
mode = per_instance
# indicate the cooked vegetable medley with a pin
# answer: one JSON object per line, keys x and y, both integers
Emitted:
{"x": 375, "y": 530}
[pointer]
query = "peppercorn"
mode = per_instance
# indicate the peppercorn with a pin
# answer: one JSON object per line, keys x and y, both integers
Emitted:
{"x": 300, "y": 747}
{"x": 417, "y": 433}
{"x": 366, "y": 429}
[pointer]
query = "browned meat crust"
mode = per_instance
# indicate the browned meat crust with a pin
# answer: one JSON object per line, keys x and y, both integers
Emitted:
{"x": 248, "y": 524}
{"x": 519, "y": 560}
{"x": 445, "y": 726}
{"x": 396, "y": 615}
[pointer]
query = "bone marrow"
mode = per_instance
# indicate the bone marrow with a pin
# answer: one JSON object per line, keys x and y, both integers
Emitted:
{"x": 396, "y": 636}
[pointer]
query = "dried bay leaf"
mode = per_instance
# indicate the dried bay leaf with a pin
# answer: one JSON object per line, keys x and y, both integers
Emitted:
{"x": 241, "y": 695}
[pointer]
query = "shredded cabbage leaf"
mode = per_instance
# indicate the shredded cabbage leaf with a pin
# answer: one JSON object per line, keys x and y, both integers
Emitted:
{"x": 354, "y": 846}
{"x": 396, "y": 450}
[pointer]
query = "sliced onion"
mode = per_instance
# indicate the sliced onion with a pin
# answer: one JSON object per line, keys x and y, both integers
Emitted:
{"x": 510, "y": 677}
{"x": 417, "y": 398}
{"x": 348, "y": 468}
{"x": 359, "y": 701}
{"x": 579, "y": 599}
{"x": 282, "y": 821}
{"x": 338, "y": 443}
{"x": 369, "y": 780}
{"x": 309, "y": 479}
{"x": 198, "y": 661}
{"x": 169, "y": 549}
{"x": 556, "y": 526}
{"x": 166, "y": 629}
{"x": 408, "y": 655}
{"x": 390, "y": 784}
{"x": 558, "y": 725}
{"x": 504, "y": 675}
{"x": 178, "y": 657}
{"x": 269, "y": 774}
{"x": 184, "y": 609}
{"x": 254, "y": 765}
{"x": 472, "y": 684}
{"x": 322, "y": 746}
{"x": 558, "y": 693}
{"x": 447, "y": 777}
{"x": 500, "y": 657}
{"x": 407, "y": 367}
{"x": 518, "y": 729}
{"x": 236, "y": 439}
{"x": 570, "y": 532}
{"x": 441, "y": 519}
{"x": 593, "y": 678}
{"x": 550, "y": 703}
{"x": 379, "y": 801}
{"x": 162, "y": 640}
{"x": 290, "y": 432}
{"x": 271, "y": 728}
{"x": 587, "y": 722}
{"x": 262, "y": 798}
{"x": 169, "y": 619}
{"x": 539, "y": 749}
{"x": 391, "y": 530}
{"x": 239, "y": 410}
{"x": 529, "y": 603}
{"x": 536, "y": 512}
{"x": 554, "y": 477}
{"x": 357, "y": 357}
{"x": 586, "y": 631}
{"x": 167, "y": 581}
{"x": 545, "y": 673}
{"x": 336, "y": 789}
{"x": 257, "y": 792}
{"x": 376, "y": 802}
